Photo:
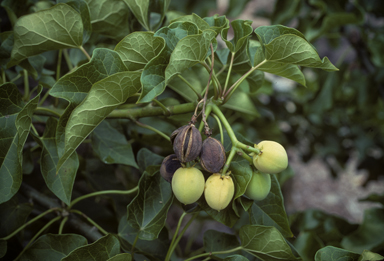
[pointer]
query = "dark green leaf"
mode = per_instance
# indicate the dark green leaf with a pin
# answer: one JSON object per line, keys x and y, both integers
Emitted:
{"x": 236, "y": 258}
{"x": 121, "y": 257}
{"x": 369, "y": 235}
{"x": 242, "y": 29}
{"x": 104, "y": 248}
{"x": 51, "y": 247}
{"x": 13, "y": 215}
{"x": 111, "y": 146}
{"x": 140, "y": 9}
{"x": 146, "y": 158}
{"x": 148, "y": 210}
{"x": 154, "y": 249}
{"x": 226, "y": 216}
{"x": 158, "y": 11}
{"x": 15, "y": 122}
{"x": 138, "y": 48}
{"x": 218, "y": 241}
{"x": 81, "y": 6}
{"x": 241, "y": 173}
{"x": 307, "y": 244}
{"x": 271, "y": 211}
{"x": 330, "y": 253}
{"x": 103, "y": 98}
{"x": 60, "y": 183}
{"x": 3, "y": 247}
{"x": 6, "y": 45}
{"x": 109, "y": 17}
{"x": 265, "y": 243}
{"x": 32, "y": 35}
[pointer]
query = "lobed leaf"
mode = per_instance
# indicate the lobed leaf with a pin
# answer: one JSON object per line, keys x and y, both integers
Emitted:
{"x": 148, "y": 210}
{"x": 242, "y": 29}
{"x": 52, "y": 247}
{"x": 51, "y": 29}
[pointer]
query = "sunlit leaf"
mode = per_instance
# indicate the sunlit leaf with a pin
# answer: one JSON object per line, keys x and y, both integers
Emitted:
{"x": 55, "y": 28}
{"x": 148, "y": 210}
{"x": 241, "y": 29}
{"x": 104, "y": 248}
{"x": 51, "y": 247}
{"x": 102, "y": 99}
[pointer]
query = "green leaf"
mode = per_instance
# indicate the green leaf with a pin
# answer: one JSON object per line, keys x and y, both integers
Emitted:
{"x": 146, "y": 158}
{"x": 236, "y": 258}
{"x": 226, "y": 216}
{"x": 241, "y": 102}
{"x": 13, "y": 215}
{"x": 307, "y": 244}
{"x": 102, "y": 99}
{"x": 103, "y": 249}
{"x": 154, "y": 249}
{"x": 3, "y": 247}
{"x": 266, "y": 243}
{"x": 111, "y": 146}
{"x": 61, "y": 183}
{"x": 81, "y": 6}
{"x": 270, "y": 211}
{"x": 193, "y": 18}
{"x": 138, "y": 48}
{"x": 109, "y": 17}
{"x": 217, "y": 23}
{"x": 6, "y": 45}
{"x": 52, "y": 247}
{"x": 32, "y": 35}
{"x": 330, "y": 253}
{"x": 121, "y": 257}
{"x": 140, "y": 9}
{"x": 147, "y": 212}
{"x": 369, "y": 256}
{"x": 287, "y": 45}
{"x": 157, "y": 13}
{"x": 241, "y": 173}
{"x": 369, "y": 235}
{"x": 15, "y": 122}
{"x": 219, "y": 241}
{"x": 241, "y": 29}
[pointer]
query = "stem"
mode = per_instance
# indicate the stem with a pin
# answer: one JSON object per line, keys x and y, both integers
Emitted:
{"x": 207, "y": 112}
{"x": 98, "y": 193}
{"x": 229, "y": 159}
{"x": 67, "y": 60}
{"x": 58, "y": 68}
{"x": 247, "y": 147}
{"x": 224, "y": 121}
{"x": 215, "y": 253}
{"x": 239, "y": 81}
{"x": 85, "y": 52}
{"x": 176, "y": 242}
{"x": 244, "y": 155}
{"x": 153, "y": 129}
{"x": 43, "y": 99}
{"x": 171, "y": 248}
{"x": 34, "y": 130}
{"x": 215, "y": 81}
{"x": 133, "y": 246}
{"x": 62, "y": 225}
{"x": 190, "y": 86}
{"x": 16, "y": 78}
{"x": 89, "y": 220}
{"x": 37, "y": 235}
{"x": 26, "y": 85}
{"x": 44, "y": 109}
{"x": 30, "y": 222}
{"x": 220, "y": 128}
{"x": 166, "y": 111}
{"x": 229, "y": 73}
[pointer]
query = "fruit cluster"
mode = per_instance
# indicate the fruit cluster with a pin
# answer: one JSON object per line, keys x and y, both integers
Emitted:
{"x": 188, "y": 183}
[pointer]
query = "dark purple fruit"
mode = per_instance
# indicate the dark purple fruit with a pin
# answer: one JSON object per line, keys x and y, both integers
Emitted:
{"x": 169, "y": 166}
{"x": 187, "y": 144}
{"x": 212, "y": 157}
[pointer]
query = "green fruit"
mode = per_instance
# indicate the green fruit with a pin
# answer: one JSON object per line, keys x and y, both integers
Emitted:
{"x": 188, "y": 185}
{"x": 272, "y": 158}
{"x": 259, "y": 186}
{"x": 219, "y": 191}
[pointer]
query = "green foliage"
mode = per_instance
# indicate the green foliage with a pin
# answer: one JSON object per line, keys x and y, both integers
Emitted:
{"x": 91, "y": 90}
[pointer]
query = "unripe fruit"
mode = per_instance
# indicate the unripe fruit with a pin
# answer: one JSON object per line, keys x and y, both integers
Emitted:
{"x": 219, "y": 191}
{"x": 169, "y": 166}
{"x": 188, "y": 185}
{"x": 212, "y": 156}
{"x": 272, "y": 158}
{"x": 187, "y": 144}
{"x": 259, "y": 186}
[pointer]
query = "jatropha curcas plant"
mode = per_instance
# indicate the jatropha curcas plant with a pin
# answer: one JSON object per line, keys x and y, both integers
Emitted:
{"x": 92, "y": 89}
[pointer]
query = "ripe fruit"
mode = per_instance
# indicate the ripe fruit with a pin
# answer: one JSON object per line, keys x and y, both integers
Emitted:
{"x": 219, "y": 191}
{"x": 212, "y": 156}
{"x": 272, "y": 158}
{"x": 169, "y": 166}
{"x": 259, "y": 186}
{"x": 187, "y": 143}
{"x": 188, "y": 184}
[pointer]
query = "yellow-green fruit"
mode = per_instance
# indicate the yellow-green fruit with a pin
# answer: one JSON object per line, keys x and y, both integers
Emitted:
{"x": 272, "y": 158}
{"x": 259, "y": 186}
{"x": 219, "y": 191}
{"x": 188, "y": 184}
